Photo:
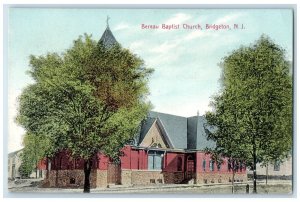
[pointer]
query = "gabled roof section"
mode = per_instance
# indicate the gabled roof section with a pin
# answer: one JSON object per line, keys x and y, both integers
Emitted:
{"x": 198, "y": 130}
{"x": 156, "y": 136}
{"x": 108, "y": 39}
{"x": 175, "y": 128}
{"x": 164, "y": 133}
{"x": 145, "y": 127}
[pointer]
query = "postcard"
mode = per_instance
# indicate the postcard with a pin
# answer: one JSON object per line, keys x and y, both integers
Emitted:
{"x": 150, "y": 100}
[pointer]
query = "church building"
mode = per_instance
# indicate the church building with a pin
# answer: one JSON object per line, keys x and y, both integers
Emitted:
{"x": 168, "y": 149}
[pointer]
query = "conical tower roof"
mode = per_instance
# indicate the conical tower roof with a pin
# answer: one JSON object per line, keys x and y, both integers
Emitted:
{"x": 108, "y": 38}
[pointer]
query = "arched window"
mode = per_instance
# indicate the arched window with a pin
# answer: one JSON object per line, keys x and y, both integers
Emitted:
{"x": 211, "y": 165}
{"x": 203, "y": 164}
{"x": 179, "y": 163}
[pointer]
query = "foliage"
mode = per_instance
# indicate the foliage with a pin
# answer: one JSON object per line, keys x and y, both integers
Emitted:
{"x": 253, "y": 112}
{"x": 35, "y": 148}
{"x": 89, "y": 99}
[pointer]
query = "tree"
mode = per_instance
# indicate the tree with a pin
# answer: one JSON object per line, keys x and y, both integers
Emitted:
{"x": 91, "y": 98}
{"x": 35, "y": 148}
{"x": 228, "y": 134}
{"x": 254, "y": 109}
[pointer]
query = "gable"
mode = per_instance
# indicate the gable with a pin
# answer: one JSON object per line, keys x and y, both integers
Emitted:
{"x": 174, "y": 129}
{"x": 154, "y": 137}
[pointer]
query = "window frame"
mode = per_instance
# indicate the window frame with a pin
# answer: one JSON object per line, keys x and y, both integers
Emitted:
{"x": 211, "y": 165}
{"x": 153, "y": 154}
{"x": 179, "y": 163}
{"x": 204, "y": 165}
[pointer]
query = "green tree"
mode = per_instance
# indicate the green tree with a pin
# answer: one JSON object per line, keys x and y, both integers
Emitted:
{"x": 35, "y": 148}
{"x": 228, "y": 135}
{"x": 89, "y": 99}
{"x": 254, "y": 108}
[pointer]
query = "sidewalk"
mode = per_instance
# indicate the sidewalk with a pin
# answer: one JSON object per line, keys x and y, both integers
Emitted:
{"x": 184, "y": 187}
{"x": 274, "y": 186}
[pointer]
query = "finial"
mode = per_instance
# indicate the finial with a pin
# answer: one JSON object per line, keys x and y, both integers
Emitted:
{"x": 107, "y": 19}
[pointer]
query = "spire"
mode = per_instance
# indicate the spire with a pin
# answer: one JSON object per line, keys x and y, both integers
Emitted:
{"x": 108, "y": 38}
{"x": 107, "y": 19}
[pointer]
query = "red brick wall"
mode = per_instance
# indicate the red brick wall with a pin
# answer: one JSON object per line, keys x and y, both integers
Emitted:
{"x": 171, "y": 162}
{"x": 102, "y": 161}
{"x": 200, "y": 156}
{"x": 134, "y": 159}
{"x": 64, "y": 161}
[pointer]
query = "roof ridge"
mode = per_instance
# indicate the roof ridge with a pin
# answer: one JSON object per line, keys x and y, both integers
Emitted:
{"x": 167, "y": 114}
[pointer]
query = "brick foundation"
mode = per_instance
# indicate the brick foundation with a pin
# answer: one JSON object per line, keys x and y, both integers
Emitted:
{"x": 146, "y": 177}
{"x": 211, "y": 178}
{"x": 75, "y": 178}
{"x": 126, "y": 177}
{"x": 101, "y": 178}
{"x": 173, "y": 177}
{"x": 98, "y": 178}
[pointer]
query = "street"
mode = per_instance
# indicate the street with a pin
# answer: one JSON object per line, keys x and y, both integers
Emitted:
{"x": 273, "y": 187}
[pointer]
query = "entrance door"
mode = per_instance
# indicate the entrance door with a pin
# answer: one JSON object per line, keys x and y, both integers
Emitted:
{"x": 190, "y": 168}
{"x": 114, "y": 173}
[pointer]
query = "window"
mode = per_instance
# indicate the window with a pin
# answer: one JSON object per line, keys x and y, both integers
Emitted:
{"x": 155, "y": 160}
{"x": 211, "y": 165}
{"x": 277, "y": 166}
{"x": 72, "y": 180}
{"x": 179, "y": 164}
{"x": 219, "y": 166}
{"x": 204, "y": 164}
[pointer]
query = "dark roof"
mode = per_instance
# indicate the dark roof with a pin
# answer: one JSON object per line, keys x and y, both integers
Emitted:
{"x": 198, "y": 131}
{"x": 145, "y": 127}
{"x": 108, "y": 38}
{"x": 175, "y": 128}
{"x": 180, "y": 132}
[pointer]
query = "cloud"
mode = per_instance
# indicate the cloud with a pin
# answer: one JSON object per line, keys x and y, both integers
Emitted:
{"x": 136, "y": 45}
{"x": 197, "y": 34}
{"x": 178, "y": 18}
{"x": 227, "y": 18}
{"x": 166, "y": 47}
{"x": 121, "y": 26}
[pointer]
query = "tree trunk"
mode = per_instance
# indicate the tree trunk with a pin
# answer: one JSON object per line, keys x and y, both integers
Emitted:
{"x": 87, "y": 172}
{"x": 36, "y": 169}
{"x": 267, "y": 174}
{"x": 254, "y": 172}
{"x": 232, "y": 181}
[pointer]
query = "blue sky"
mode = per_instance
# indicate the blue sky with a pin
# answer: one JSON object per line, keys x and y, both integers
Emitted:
{"x": 185, "y": 61}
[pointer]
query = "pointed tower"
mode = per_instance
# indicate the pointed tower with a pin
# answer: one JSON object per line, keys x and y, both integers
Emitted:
{"x": 108, "y": 39}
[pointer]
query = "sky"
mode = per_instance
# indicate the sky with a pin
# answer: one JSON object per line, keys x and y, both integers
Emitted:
{"x": 185, "y": 61}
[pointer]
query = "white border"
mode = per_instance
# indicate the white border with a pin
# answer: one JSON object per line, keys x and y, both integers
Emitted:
{"x": 180, "y": 3}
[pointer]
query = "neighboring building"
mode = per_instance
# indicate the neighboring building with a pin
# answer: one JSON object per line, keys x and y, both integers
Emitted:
{"x": 168, "y": 150}
{"x": 14, "y": 163}
{"x": 278, "y": 170}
